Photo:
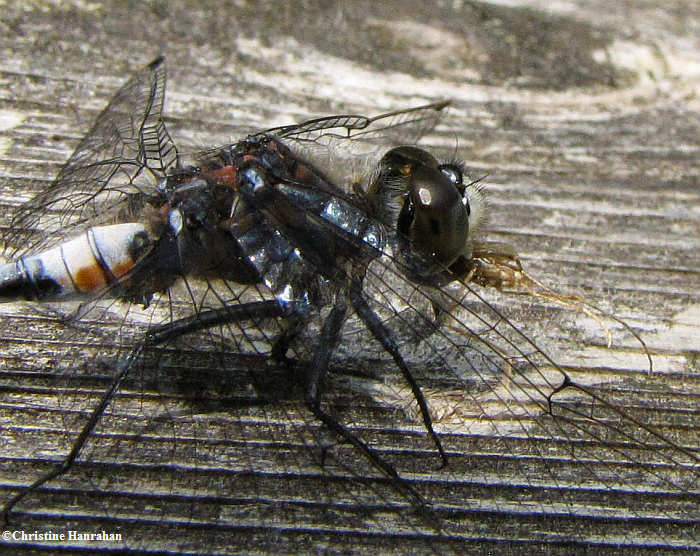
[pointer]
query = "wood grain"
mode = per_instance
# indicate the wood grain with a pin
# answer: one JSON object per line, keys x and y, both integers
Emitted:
{"x": 584, "y": 118}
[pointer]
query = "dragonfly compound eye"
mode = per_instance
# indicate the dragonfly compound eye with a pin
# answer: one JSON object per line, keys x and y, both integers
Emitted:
{"x": 434, "y": 216}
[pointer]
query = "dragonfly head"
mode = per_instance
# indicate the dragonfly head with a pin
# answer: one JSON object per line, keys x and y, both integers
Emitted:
{"x": 438, "y": 211}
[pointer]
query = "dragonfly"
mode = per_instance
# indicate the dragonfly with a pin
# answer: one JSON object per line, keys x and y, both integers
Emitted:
{"x": 336, "y": 243}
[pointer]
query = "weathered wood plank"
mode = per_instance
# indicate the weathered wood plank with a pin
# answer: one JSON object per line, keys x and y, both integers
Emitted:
{"x": 585, "y": 118}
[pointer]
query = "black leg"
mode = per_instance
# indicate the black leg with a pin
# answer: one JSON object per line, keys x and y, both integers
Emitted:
{"x": 330, "y": 334}
{"x": 66, "y": 464}
{"x": 384, "y": 336}
{"x": 212, "y": 317}
{"x": 235, "y": 313}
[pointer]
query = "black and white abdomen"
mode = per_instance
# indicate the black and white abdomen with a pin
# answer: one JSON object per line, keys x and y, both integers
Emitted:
{"x": 78, "y": 268}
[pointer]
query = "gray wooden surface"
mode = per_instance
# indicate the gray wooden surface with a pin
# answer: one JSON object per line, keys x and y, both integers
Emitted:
{"x": 585, "y": 119}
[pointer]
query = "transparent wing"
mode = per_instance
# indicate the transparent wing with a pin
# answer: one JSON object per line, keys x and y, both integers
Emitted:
{"x": 593, "y": 448}
{"x": 348, "y": 147}
{"x": 579, "y": 443}
{"x": 400, "y": 126}
{"x": 582, "y": 445}
{"x": 127, "y": 147}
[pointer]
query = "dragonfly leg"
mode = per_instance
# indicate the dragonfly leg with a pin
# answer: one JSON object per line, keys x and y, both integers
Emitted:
{"x": 67, "y": 463}
{"x": 158, "y": 335}
{"x": 212, "y": 317}
{"x": 330, "y": 335}
{"x": 385, "y": 337}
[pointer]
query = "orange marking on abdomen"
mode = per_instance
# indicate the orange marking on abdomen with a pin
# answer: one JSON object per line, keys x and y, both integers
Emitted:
{"x": 92, "y": 277}
{"x": 89, "y": 278}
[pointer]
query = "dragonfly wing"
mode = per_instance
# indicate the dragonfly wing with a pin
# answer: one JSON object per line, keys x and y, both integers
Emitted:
{"x": 348, "y": 147}
{"x": 407, "y": 125}
{"x": 128, "y": 140}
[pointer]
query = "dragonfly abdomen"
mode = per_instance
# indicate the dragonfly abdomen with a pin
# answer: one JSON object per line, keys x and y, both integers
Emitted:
{"x": 77, "y": 268}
